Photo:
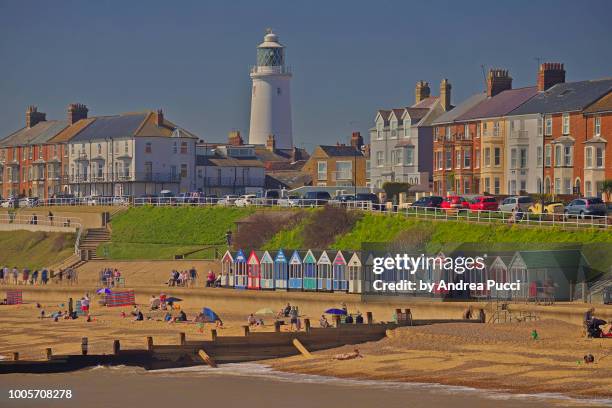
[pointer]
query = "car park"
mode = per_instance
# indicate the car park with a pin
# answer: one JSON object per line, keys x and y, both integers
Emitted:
{"x": 484, "y": 203}
{"x": 514, "y": 203}
{"x": 582, "y": 207}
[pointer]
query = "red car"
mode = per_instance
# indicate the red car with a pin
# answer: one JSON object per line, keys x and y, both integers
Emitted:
{"x": 483, "y": 203}
{"x": 455, "y": 203}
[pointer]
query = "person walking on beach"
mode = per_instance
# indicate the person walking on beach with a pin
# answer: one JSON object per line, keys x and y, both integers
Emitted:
{"x": 2, "y": 274}
{"x": 15, "y": 275}
{"x": 44, "y": 276}
{"x": 25, "y": 275}
{"x": 193, "y": 275}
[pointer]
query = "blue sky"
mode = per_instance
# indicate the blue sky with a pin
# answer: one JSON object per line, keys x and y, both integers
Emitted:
{"x": 349, "y": 58}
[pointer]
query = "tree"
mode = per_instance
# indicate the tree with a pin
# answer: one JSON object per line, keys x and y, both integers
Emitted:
{"x": 607, "y": 189}
{"x": 393, "y": 190}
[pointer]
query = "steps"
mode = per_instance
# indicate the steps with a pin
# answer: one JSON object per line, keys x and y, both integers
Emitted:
{"x": 92, "y": 239}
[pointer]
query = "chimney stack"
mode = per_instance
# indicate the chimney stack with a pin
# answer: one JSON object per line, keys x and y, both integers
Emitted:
{"x": 421, "y": 91}
{"x": 445, "y": 94}
{"x": 271, "y": 143}
{"x": 549, "y": 74}
{"x": 76, "y": 112}
{"x": 159, "y": 119}
{"x": 356, "y": 140}
{"x": 498, "y": 80}
{"x": 33, "y": 116}
{"x": 235, "y": 139}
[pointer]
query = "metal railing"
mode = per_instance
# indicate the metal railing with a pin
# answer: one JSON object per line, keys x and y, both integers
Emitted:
{"x": 42, "y": 220}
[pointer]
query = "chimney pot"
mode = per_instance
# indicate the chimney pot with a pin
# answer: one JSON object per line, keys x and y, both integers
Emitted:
{"x": 33, "y": 116}
{"x": 421, "y": 91}
{"x": 445, "y": 94}
{"x": 550, "y": 74}
{"x": 498, "y": 81}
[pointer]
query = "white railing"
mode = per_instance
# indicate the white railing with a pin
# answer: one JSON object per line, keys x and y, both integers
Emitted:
{"x": 41, "y": 220}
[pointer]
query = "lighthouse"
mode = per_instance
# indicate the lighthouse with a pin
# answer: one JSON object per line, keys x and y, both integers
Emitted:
{"x": 271, "y": 96}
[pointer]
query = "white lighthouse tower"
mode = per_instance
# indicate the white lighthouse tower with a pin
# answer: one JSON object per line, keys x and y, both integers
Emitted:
{"x": 271, "y": 96}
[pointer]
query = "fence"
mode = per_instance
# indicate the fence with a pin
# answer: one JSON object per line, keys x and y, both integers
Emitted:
{"x": 37, "y": 219}
{"x": 123, "y": 298}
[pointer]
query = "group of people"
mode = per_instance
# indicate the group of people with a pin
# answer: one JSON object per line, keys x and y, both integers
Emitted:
{"x": 27, "y": 276}
{"x": 110, "y": 277}
{"x": 137, "y": 314}
{"x": 183, "y": 278}
{"x": 161, "y": 302}
{"x": 593, "y": 325}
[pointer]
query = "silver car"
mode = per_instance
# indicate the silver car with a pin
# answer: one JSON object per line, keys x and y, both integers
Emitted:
{"x": 511, "y": 204}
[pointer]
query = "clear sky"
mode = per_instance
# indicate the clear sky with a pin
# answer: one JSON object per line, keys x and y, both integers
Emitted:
{"x": 349, "y": 58}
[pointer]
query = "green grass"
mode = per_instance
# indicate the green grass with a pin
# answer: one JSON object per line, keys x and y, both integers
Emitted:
{"x": 34, "y": 249}
{"x": 289, "y": 238}
{"x": 128, "y": 251}
{"x": 189, "y": 226}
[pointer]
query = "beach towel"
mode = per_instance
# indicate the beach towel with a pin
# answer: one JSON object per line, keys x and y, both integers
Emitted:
{"x": 14, "y": 297}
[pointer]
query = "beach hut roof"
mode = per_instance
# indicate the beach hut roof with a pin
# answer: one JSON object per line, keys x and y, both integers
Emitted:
{"x": 370, "y": 259}
{"x": 280, "y": 256}
{"x": 266, "y": 258}
{"x": 253, "y": 258}
{"x": 295, "y": 258}
{"x": 571, "y": 259}
{"x": 309, "y": 257}
{"x": 324, "y": 258}
{"x": 240, "y": 258}
{"x": 339, "y": 259}
{"x": 227, "y": 257}
{"x": 355, "y": 260}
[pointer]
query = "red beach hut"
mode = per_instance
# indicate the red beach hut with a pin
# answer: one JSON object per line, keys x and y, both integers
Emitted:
{"x": 254, "y": 271}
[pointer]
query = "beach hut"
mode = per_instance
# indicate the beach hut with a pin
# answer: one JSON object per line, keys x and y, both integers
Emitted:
{"x": 240, "y": 270}
{"x": 295, "y": 271}
{"x": 547, "y": 275}
{"x": 339, "y": 273}
{"x": 496, "y": 269}
{"x": 280, "y": 270}
{"x": 354, "y": 274}
{"x": 368, "y": 273}
{"x": 324, "y": 272}
{"x": 267, "y": 271}
{"x": 309, "y": 270}
{"x": 253, "y": 272}
{"x": 227, "y": 270}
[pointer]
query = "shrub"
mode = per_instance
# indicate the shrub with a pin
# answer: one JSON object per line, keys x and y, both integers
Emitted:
{"x": 258, "y": 229}
{"x": 324, "y": 225}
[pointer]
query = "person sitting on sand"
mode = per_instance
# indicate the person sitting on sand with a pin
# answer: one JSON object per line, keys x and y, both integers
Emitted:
{"x": 359, "y": 318}
{"x": 251, "y": 320}
{"x": 348, "y": 356}
{"x": 154, "y": 302}
{"x": 135, "y": 311}
{"x": 219, "y": 323}
{"x": 210, "y": 280}
{"x": 182, "y": 317}
{"x": 168, "y": 317}
{"x": 323, "y": 322}
{"x": 139, "y": 316}
{"x": 348, "y": 319}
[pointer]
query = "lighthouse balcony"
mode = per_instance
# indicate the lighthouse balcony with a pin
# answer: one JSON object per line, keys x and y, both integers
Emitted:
{"x": 270, "y": 69}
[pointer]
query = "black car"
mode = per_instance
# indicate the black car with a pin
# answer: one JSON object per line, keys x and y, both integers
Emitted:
{"x": 313, "y": 198}
{"x": 428, "y": 202}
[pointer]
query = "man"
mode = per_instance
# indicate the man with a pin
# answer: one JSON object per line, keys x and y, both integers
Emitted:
{"x": 193, "y": 275}
{"x": 323, "y": 322}
{"x": 287, "y": 310}
{"x": 210, "y": 281}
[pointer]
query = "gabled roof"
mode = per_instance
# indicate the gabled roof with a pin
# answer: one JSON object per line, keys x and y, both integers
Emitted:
{"x": 224, "y": 161}
{"x": 427, "y": 102}
{"x": 416, "y": 114}
{"x": 68, "y": 133}
{"x": 40, "y": 133}
{"x": 602, "y": 105}
{"x": 335, "y": 151}
{"x": 500, "y": 104}
{"x": 465, "y": 106}
{"x": 111, "y": 127}
{"x": 384, "y": 114}
{"x": 566, "y": 97}
{"x": 570, "y": 259}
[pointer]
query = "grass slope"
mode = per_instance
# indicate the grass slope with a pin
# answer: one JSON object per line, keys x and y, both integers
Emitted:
{"x": 34, "y": 249}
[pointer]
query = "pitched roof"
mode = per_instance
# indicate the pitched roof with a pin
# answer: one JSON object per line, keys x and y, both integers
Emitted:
{"x": 40, "y": 133}
{"x": 69, "y": 132}
{"x": 149, "y": 128}
{"x": 384, "y": 114}
{"x": 290, "y": 179}
{"x": 463, "y": 107}
{"x": 111, "y": 127}
{"x": 500, "y": 104}
{"x": 602, "y": 105}
{"x": 417, "y": 114}
{"x": 335, "y": 151}
{"x": 427, "y": 102}
{"x": 566, "y": 97}
{"x": 224, "y": 161}
{"x": 561, "y": 259}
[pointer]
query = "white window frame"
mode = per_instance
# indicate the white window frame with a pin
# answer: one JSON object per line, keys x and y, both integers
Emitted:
{"x": 547, "y": 125}
{"x": 597, "y": 126}
{"x": 321, "y": 170}
{"x": 565, "y": 120}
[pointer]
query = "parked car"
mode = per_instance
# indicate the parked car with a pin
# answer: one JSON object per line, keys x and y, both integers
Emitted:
{"x": 586, "y": 206}
{"x": 120, "y": 200}
{"x": 28, "y": 202}
{"x": 290, "y": 201}
{"x": 245, "y": 200}
{"x": 149, "y": 198}
{"x": 314, "y": 198}
{"x": 511, "y": 204}
{"x": 166, "y": 197}
{"x": 455, "y": 203}
{"x": 484, "y": 203}
{"x": 343, "y": 199}
{"x": 63, "y": 199}
{"x": 227, "y": 199}
{"x": 547, "y": 208}
{"x": 8, "y": 203}
{"x": 428, "y": 202}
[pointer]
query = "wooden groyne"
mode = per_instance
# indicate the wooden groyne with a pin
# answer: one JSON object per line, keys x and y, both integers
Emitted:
{"x": 221, "y": 349}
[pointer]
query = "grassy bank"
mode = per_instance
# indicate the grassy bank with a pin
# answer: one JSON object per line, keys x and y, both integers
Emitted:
{"x": 34, "y": 249}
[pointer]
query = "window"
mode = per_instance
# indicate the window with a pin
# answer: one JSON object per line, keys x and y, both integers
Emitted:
{"x": 148, "y": 147}
{"x": 513, "y": 159}
{"x": 40, "y": 152}
{"x": 599, "y": 158}
{"x": 125, "y": 147}
{"x": 466, "y": 186}
{"x": 30, "y": 152}
{"x": 322, "y": 170}
{"x": 380, "y": 161}
{"x": 175, "y": 148}
{"x": 588, "y": 157}
{"x": 568, "y": 155}
{"x": 449, "y": 160}
{"x": 566, "y": 123}
{"x": 496, "y": 181}
{"x": 184, "y": 148}
{"x": 457, "y": 186}
{"x": 495, "y": 128}
{"x": 540, "y": 126}
{"x": 344, "y": 170}
{"x": 497, "y": 159}
{"x": 99, "y": 148}
{"x": 148, "y": 170}
{"x": 183, "y": 171}
{"x": 436, "y": 133}
{"x": 597, "y": 128}
{"x": 448, "y": 133}
{"x": 512, "y": 187}
{"x": 547, "y": 125}
{"x": 523, "y": 185}
{"x": 523, "y": 158}
{"x": 398, "y": 157}
{"x": 410, "y": 156}
{"x": 367, "y": 169}
{"x": 477, "y": 159}
{"x": 487, "y": 185}
{"x": 557, "y": 186}
{"x": 487, "y": 157}
{"x": 539, "y": 156}
{"x": 547, "y": 157}
{"x": 477, "y": 130}
{"x": 458, "y": 160}
{"x": 466, "y": 132}
{"x": 558, "y": 157}
{"x": 567, "y": 185}
{"x": 467, "y": 159}
{"x": 406, "y": 130}
{"x": 588, "y": 188}
{"x": 439, "y": 160}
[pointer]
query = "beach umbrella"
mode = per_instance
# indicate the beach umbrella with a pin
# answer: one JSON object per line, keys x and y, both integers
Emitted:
{"x": 173, "y": 299}
{"x": 264, "y": 311}
{"x": 210, "y": 315}
{"x": 336, "y": 311}
{"x": 103, "y": 291}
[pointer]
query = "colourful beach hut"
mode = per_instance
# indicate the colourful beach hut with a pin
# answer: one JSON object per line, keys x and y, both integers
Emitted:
{"x": 368, "y": 273}
{"x": 295, "y": 271}
{"x": 253, "y": 272}
{"x": 267, "y": 271}
{"x": 280, "y": 270}
{"x": 354, "y": 268}
{"x": 339, "y": 272}
{"x": 324, "y": 272}
{"x": 309, "y": 270}
{"x": 240, "y": 270}
{"x": 227, "y": 270}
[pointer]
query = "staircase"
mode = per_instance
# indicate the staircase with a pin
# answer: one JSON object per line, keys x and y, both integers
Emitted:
{"x": 93, "y": 238}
